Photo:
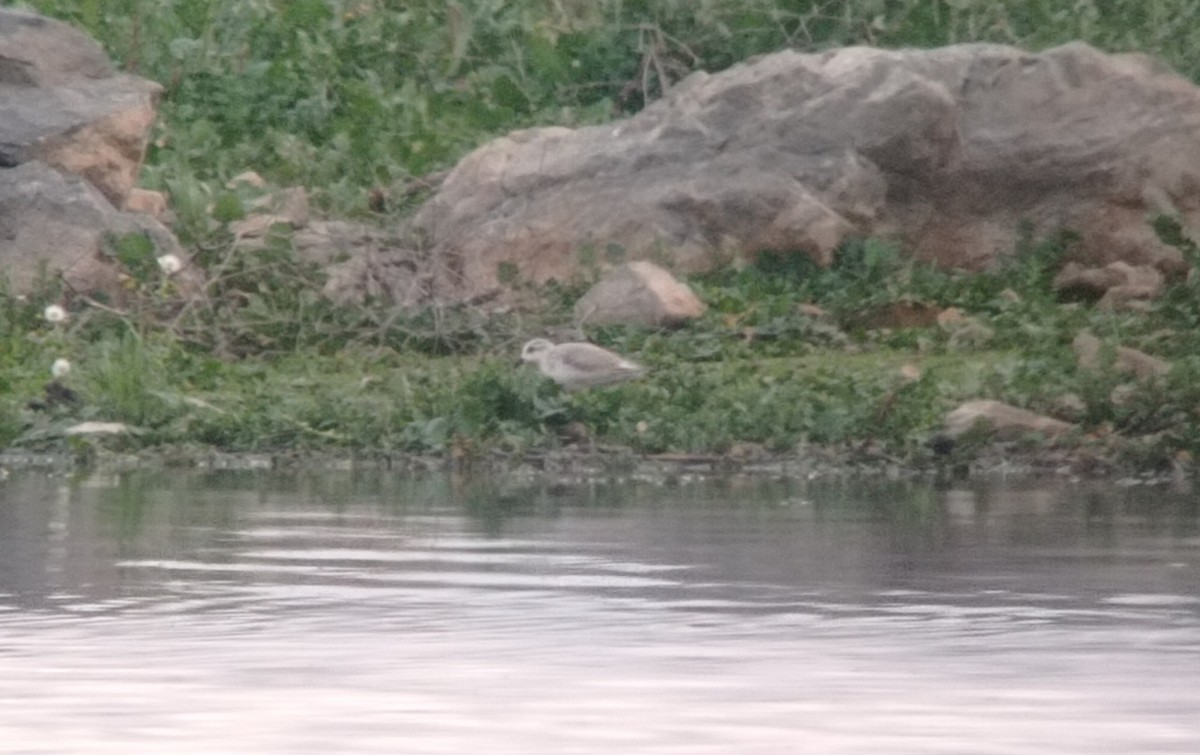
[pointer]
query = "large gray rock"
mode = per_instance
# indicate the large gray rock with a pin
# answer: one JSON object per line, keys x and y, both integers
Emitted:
{"x": 62, "y": 103}
{"x": 60, "y": 222}
{"x": 72, "y": 137}
{"x": 950, "y": 151}
{"x": 36, "y": 51}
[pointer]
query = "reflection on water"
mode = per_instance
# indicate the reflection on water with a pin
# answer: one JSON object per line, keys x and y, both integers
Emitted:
{"x": 233, "y": 612}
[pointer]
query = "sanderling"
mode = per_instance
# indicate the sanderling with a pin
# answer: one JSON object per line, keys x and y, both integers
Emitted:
{"x": 579, "y": 365}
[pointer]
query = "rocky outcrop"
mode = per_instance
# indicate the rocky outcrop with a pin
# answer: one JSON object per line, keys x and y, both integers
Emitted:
{"x": 66, "y": 106}
{"x": 638, "y": 293}
{"x": 951, "y": 151}
{"x": 71, "y": 144}
{"x": 62, "y": 223}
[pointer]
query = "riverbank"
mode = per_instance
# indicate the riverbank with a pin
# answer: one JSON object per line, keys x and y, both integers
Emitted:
{"x": 786, "y": 366}
{"x": 789, "y": 357}
{"x": 862, "y": 360}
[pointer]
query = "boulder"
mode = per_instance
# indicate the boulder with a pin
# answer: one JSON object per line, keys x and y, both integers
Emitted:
{"x": 1003, "y": 421}
{"x": 638, "y": 293}
{"x": 953, "y": 152}
{"x": 65, "y": 105}
{"x": 72, "y": 138}
{"x": 59, "y": 222}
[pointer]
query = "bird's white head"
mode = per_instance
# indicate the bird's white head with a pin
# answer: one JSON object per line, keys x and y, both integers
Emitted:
{"x": 60, "y": 369}
{"x": 536, "y": 350}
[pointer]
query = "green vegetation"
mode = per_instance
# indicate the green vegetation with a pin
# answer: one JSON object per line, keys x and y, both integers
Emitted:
{"x": 348, "y": 97}
{"x": 761, "y": 368}
{"x": 344, "y": 95}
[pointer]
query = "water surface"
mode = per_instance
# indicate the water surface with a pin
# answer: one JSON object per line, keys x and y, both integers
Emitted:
{"x": 371, "y": 612}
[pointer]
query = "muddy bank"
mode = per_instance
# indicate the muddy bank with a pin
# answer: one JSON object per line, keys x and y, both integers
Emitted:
{"x": 594, "y": 464}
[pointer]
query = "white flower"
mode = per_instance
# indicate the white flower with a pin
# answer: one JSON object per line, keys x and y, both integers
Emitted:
{"x": 170, "y": 264}
{"x": 61, "y": 368}
{"x": 55, "y": 313}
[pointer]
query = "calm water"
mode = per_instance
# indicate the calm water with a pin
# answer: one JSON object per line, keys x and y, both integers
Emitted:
{"x": 376, "y": 613}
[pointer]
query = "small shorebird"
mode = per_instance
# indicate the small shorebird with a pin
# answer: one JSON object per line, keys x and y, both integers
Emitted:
{"x": 579, "y": 365}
